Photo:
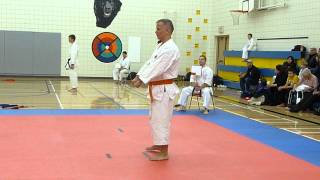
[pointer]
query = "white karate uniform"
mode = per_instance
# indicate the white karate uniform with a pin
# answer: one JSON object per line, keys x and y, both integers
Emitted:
{"x": 205, "y": 77}
{"x": 73, "y": 52}
{"x": 163, "y": 65}
{"x": 251, "y": 45}
{"x": 122, "y": 70}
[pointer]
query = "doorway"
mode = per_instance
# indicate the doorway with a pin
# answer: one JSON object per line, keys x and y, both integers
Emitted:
{"x": 222, "y": 46}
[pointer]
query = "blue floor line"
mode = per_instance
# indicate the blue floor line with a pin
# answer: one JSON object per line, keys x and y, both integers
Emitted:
{"x": 290, "y": 143}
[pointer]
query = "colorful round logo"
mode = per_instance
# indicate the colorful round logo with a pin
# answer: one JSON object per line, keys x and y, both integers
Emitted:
{"x": 107, "y": 47}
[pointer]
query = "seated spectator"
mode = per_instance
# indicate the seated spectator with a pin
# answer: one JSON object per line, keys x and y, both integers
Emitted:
{"x": 312, "y": 60}
{"x": 309, "y": 81}
{"x": 291, "y": 64}
{"x": 316, "y": 102}
{"x": 249, "y": 79}
{"x": 122, "y": 68}
{"x": 251, "y": 45}
{"x": 300, "y": 48}
{"x": 308, "y": 84}
{"x": 272, "y": 97}
{"x": 304, "y": 66}
{"x": 308, "y": 102}
{"x": 292, "y": 81}
{"x": 200, "y": 84}
{"x": 258, "y": 97}
{"x": 316, "y": 71}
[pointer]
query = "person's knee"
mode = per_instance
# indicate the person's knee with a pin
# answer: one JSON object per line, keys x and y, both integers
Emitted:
{"x": 185, "y": 90}
{"x": 206, "y": 92}
{"x": 248, "y": 81}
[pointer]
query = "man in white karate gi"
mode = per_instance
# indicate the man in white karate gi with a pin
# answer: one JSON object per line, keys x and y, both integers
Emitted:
{"x": 158, "y": 72}
{"x": 200, "y": 84}
{"x": 122, "y": 68}
{"x": 73, "y": 62}
{"x": 251, "y": 45}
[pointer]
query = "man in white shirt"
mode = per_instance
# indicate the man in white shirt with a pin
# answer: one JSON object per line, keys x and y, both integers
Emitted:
{"x": 73, "y": 62}
{"x": 122, "y": 68}
{"x": 199, "y": 84}
{"x": 251, "y": 45}
{"x": 158, "y": 72}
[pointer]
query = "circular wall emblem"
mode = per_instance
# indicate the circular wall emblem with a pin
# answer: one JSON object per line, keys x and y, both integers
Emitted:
{"x": 107, "y": 47}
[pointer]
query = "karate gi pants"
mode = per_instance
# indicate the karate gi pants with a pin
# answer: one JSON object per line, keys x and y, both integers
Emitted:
{"x": 245, "y": 53}
{"x": 187, "y": 91}
{"x": 120, "y": 74}
{"x": 161, "y": 113}
{"x": 73, "y": 76}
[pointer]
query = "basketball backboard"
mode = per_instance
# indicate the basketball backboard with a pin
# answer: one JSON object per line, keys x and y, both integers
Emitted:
{"x": 270, "y": 4}
{"x": 247, "y": 5}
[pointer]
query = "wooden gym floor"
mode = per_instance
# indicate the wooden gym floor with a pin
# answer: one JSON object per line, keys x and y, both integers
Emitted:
{"x": 51, "y": 93}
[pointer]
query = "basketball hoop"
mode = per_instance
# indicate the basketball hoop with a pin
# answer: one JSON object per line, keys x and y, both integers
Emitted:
{"x": 236, "y": 15}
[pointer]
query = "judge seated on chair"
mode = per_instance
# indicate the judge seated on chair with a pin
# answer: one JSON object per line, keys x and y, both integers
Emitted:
{"x": 201, "y": 83}
{"x": 122, "y": 68}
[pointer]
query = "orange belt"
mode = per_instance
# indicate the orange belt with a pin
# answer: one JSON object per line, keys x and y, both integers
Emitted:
{"x": 156, "y": 83}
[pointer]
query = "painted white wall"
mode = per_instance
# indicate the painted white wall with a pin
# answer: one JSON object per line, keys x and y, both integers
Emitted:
{"x": 137, "y": 18}
{"x": 299, "y": 18}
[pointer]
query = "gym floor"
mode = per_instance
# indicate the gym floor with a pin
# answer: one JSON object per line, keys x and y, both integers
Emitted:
{"x": 51, "y": 93}
{"x": 42, "y": 143}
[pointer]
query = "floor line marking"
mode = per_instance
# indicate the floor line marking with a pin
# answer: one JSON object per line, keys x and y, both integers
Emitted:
{"x": 252, "y": 109}
{"x": 56, "y": 95}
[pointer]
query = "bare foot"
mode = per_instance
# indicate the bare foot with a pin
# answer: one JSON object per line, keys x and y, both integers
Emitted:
{"x": 159, "y": 157}
{"x": 73, "y": 90}
{"x": 181, "y": 109}
{"x": 153, "y": 149}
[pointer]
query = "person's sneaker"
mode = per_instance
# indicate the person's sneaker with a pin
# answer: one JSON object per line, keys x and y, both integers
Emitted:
{"x": 251, "y": 100}
{"x": 258, "y": 103}
{"x": 205, "y": 111}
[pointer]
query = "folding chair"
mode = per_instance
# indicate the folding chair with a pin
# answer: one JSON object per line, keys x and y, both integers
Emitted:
{"x": 198, "y": 95}
{"x": 124, "y": 80}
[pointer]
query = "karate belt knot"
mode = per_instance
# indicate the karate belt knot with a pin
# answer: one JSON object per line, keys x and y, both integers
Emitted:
{"x": 156, "y": 83}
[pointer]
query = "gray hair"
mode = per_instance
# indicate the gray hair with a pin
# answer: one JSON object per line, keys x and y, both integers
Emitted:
{"x": 168, "y": 23}
{"x": 306, "y": 72}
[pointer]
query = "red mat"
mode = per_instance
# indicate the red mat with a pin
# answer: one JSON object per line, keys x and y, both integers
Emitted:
{"x": 78, "y": 148}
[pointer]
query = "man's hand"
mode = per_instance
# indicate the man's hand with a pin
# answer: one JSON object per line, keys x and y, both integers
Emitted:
{"x": 316, "y": 92}
{"x": 136, "y": 82}
{"x": 72, "y": 66}
{"x": 197, "y": 88}
{"x": 271, "y": 85}
{"x": 204, "y": 85}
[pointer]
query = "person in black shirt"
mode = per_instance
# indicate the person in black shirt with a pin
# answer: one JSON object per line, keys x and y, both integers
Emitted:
{"x": 316, "y": 70}
{"x": 291, "y": 64}
{"x": 273, "y": 97}
{"x": 312, "y": 60}
{"x": 249, "y": 79}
